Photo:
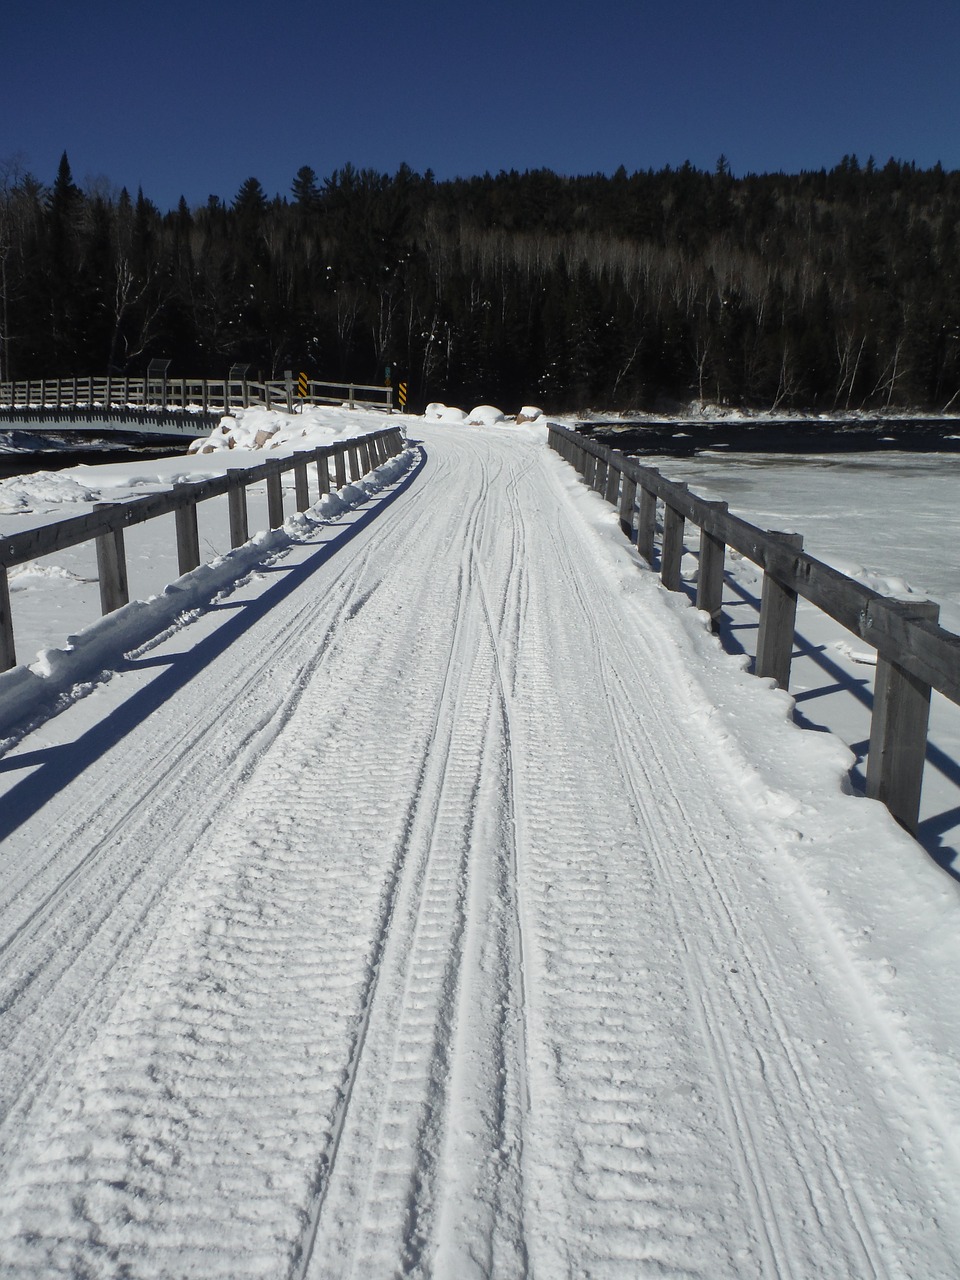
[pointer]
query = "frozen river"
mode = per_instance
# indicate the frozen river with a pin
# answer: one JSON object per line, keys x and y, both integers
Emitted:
{"x": 889, "y": 519}
{"x": 896, "y": 515}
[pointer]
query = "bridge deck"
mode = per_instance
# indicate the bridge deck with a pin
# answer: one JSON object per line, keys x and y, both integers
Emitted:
{"x": 443, "y": 901}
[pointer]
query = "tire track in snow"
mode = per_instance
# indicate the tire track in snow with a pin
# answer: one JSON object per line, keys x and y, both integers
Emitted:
{"x": 623, "y": 1174}
{"x": 216, "y": 1017}
{"x": 501, "y": 1021}
{"x": 775, "y": 1256}
{"x": 433, "y": 1040}
{"x": 90, "y": 923}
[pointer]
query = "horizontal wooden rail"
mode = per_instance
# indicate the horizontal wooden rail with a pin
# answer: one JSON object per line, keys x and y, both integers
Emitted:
{"x": 106, "y": 523}
{"x": 207, "y": 394}
{"x": 915, "y": 654}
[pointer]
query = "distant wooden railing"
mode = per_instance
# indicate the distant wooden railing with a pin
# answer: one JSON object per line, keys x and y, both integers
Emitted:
{"x": 204, "y": 393}
{"x": 107, "y": 521}
{"x": 914, "y": 653}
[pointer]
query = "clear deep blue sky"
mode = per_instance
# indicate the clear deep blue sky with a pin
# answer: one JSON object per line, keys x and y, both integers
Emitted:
{"x": 191, "y": 98}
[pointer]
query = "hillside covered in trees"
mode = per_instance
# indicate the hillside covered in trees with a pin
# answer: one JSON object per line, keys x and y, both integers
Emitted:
{"x": 833, "y": 289}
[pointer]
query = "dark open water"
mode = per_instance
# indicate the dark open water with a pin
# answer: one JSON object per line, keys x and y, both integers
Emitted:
{"x": 24, "y": 461}
{"x": 684, "y": 437}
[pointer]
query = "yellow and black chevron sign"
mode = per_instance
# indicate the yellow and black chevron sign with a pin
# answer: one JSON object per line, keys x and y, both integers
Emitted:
{"x": 402, "y": 395}
{"x": 303, "y": 386}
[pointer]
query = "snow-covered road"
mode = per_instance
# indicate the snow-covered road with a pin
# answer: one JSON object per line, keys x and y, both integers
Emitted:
{"x": 442, "y": 901}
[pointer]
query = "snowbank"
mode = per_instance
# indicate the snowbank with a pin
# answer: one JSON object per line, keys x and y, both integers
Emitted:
{"x": 23, "y": 494}
{"x": 482, "y": 415}
{"x": 444, "y": 413}
{"x": 313, "y": 426}
{"x": 58, "y": 676}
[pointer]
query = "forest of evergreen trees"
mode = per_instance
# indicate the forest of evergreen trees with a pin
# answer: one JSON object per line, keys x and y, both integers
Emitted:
{"x": 832, "y": 290}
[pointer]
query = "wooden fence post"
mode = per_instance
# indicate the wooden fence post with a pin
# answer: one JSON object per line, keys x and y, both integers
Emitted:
{"x": 598, "y": 481}
{"x": 354, "y": 457}
{"x": 300, "y": 484}
{"x": 323, "y": 471}
{"x": 710, "y": 571}
{"x": 778, "y": 618}
{"x": 340, "y": 466}
{"x": 8, "y": 652}
{"x": 111, "y": 566}
{"x": 671, "y": 549}
{"x": 188, "y": 532}
{"x": 898, "y": 728}
{"x": 646, "y": 523}
{"x": 628, "y": 501}
{"x": 274, "y": 500}
{"x": 237, "y": 503}
{"x": 612, "y": 489}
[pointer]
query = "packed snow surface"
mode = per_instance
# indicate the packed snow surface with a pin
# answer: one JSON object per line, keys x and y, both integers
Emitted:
{"x": 432, "y": 895}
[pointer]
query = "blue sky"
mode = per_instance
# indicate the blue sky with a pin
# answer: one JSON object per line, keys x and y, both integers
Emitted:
{"x": 192, "y": 98}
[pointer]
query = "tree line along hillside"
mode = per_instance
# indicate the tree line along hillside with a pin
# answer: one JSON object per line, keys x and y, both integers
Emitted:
{"x": 833, "y": 289}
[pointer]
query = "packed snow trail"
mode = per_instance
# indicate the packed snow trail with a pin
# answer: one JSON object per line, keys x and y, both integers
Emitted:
{"x": 416, "y": 909}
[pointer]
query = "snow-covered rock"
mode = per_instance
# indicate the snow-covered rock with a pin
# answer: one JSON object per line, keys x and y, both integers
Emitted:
{"x": 22, "y": 494}
{"x": 314, "y": 425}
{"x": 444, "y": 413}
{"x": 485, "y": 415}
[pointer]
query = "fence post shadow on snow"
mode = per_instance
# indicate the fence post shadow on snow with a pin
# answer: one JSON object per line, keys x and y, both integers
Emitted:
{"x": 914, "y": 654}
{"x": 106, "y": 523}
{"x": 736, "y": 630}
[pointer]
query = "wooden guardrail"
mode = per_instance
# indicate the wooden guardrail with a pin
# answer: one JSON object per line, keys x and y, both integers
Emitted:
{"x": 106, "y": 523}
{"x": 914, "y": 653}
{"x": 207, "y": 394}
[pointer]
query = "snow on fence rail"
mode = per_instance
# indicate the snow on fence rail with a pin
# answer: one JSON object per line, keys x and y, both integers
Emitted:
{"x": 206, "y": 393}
{"x": 106, "y": 523}
{"x": 914, "y": 653}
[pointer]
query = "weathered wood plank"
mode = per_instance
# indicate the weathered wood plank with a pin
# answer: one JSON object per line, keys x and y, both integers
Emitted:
{"x": 8, "y": 651}
{"x": 323, "y": 470}
{"x": 274, "y": 498}
{"x": 237, "y": 507}
{"x": 898, "y": 728}
{"x": 188, "y": 532}
{"x": 112, "y": 569}
{"x": 710, "y": 573}
{"x": 301, "y": 488}
{"x": 628, "y": 501}
{"x": 647, "y": 524}
{"x": 612, "y": 490}
{"x": 671, "y": 550}
{"x": 778, "y": 616}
